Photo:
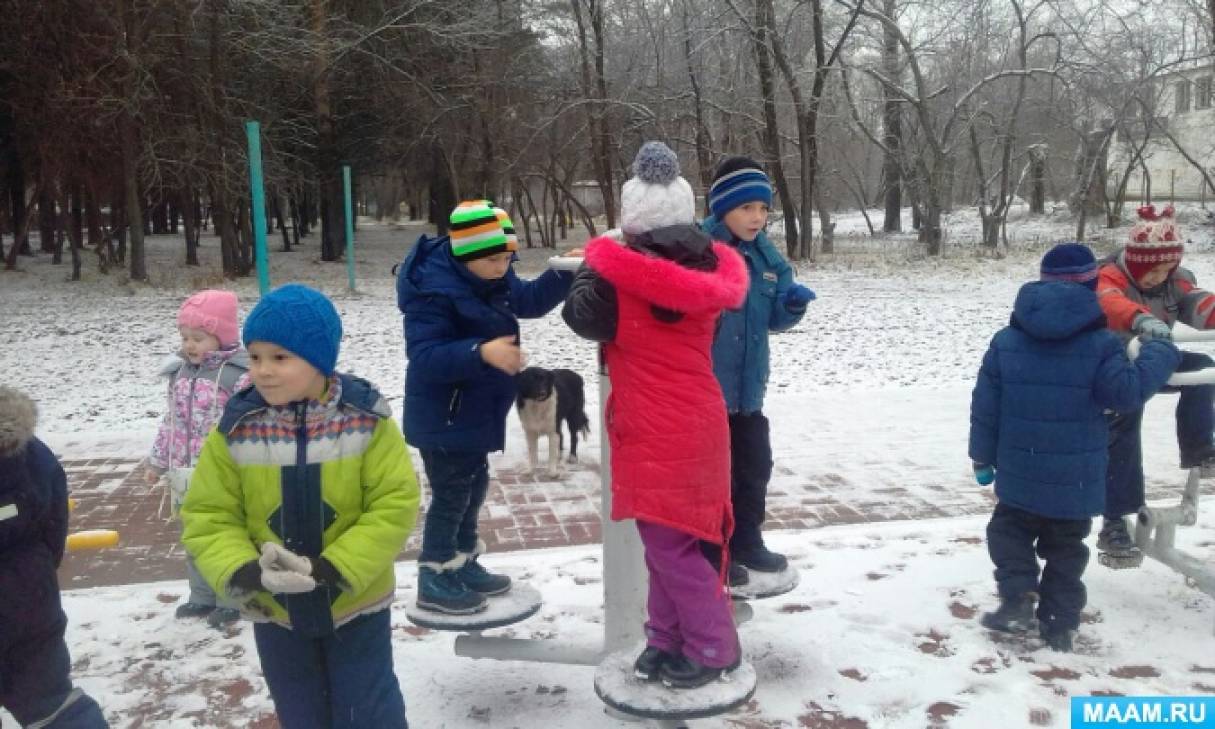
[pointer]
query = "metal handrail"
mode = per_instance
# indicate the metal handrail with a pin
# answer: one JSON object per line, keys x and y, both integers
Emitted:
{"x": 1205, "y": 376}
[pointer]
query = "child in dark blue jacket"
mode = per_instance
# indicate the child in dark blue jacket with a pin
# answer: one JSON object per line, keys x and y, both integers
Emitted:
{"x": 1037, "y": 429}
{"x": 460, "y": 299}
{"x": 35, "y": 685}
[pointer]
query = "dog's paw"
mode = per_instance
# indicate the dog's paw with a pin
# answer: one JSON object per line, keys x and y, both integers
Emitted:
{"x": 555, "y": 472}
{"x": 571, "y": 459}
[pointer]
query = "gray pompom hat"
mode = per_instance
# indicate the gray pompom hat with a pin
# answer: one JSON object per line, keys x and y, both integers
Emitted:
{"x": 656, "y": 196}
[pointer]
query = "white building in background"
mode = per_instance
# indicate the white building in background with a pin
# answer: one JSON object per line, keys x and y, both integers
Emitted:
{"x": 1185, "y": 107}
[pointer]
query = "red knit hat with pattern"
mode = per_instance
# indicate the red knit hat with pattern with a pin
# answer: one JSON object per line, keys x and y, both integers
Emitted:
{"x": 1153, "y": 240}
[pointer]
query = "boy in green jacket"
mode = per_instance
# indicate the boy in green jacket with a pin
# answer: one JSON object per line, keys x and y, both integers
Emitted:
{"x": 302, "y": 498}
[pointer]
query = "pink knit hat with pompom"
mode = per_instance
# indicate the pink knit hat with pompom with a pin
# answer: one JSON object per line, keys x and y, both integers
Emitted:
{"x": 214, "y": 312}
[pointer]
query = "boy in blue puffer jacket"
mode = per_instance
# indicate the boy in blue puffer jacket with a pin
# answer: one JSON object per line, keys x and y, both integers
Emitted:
{"x": 1038, "y": 430}
{"x": 460, "y": 299}
{"x": 739, "y": 199}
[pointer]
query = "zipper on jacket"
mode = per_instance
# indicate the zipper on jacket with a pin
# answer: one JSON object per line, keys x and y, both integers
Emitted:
{"x": 301, "y": 462}
{"x": 190, "y": 421}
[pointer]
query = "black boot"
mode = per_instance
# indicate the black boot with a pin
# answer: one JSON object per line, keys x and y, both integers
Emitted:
{"x": 1204, "y": 457}
{"x": 222, "y": 617}
{"x": 192, "y": 610}
{"x": 1118, "y": 550}
{"x": 760, "y": 559}
{"x": 650, "y": 662}
{"x": 681, "y": 672}
{"x": 737, "y": 574}
{"x": 1015, "y": 615}
{"x": 1059, "y": 640}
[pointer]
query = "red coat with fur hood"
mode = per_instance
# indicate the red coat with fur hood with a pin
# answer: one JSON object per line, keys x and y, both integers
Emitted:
{"x": 666, "y": 418}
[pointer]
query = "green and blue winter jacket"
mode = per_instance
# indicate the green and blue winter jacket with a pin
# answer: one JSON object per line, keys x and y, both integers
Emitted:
{"x": 325, "y": 478}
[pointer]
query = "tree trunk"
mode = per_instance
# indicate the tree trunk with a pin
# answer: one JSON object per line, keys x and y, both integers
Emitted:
{"x": 189, "y": 224}
{"x": 75, "y": 228}
{"x": 130, "y": 183}
{"x": 228, "y": 237}
{"x": 442, "y": 192}
{"x": 826, "y": 227}
{"x": 281, "y": 223}
{"x": 327, "y": 156}
{"x": 22, "y": 232}
{"x": 296, "y": 219}
{"x": 704, "y": 143}
{"x": 17, "y": 208}
{"x": 892, "y": 128}
{"x": 771, "y": 134}
{"x": 594, "y": 89}
{"x": 98, "y": 242}
{"x": 47, "y": 217}
{"x": 1037, "y": 179}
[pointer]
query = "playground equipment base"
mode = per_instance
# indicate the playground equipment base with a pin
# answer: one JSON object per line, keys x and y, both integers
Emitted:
{"x": 766, "y": 584}
{"x": 621, "y": 690}
{"x": 522, "y": 602}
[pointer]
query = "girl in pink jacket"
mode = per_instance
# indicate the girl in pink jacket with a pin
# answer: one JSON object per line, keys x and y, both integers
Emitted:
{"x": 205, "y": 372}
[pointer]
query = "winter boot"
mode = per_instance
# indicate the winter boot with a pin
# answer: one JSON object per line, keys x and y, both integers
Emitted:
{"x": 1204, "y": 459}
{"x": 188, "y": 610}
{"x": 440, "y": 589}
{"x": 681, "y": 672}
{"x": 650, "y": 663}
{"x": 478, "y": 579}
{"x": 738, "y": 575}
{"x": 1058, "y": 639}
{"x": 1115, "y": 548}
{"x": 1015, "y": 615}
{"x": 760, "y": 559}
{"x": 222, "y": 617}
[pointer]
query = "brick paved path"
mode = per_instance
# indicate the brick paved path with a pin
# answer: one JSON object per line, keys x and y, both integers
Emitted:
{"x": 521, "y": 512}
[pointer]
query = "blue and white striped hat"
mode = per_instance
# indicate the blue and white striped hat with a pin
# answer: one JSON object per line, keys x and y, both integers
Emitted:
{"x": 739, "y": 180}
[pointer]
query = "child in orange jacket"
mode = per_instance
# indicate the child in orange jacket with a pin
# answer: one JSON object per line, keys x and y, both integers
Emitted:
{"x": 1143, "y": 292}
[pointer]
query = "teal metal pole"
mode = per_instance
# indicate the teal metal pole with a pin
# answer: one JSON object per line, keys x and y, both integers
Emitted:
{"x": 349, "y": 226}
{"x": 253, "y": 132}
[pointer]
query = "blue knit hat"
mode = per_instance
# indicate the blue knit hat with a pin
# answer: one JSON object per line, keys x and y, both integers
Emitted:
{"x": 301, "y": 320}
{"x": 1070, "y": 262}
{"x": 738, "y": 181}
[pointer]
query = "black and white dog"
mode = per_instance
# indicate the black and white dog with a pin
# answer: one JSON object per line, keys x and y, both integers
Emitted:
{"x": 547, "y": 397}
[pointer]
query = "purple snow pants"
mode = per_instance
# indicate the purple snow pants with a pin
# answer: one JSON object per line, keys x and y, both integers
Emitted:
{"x": 689, "y": 611}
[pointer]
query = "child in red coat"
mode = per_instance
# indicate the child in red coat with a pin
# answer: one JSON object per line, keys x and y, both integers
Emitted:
{"x": 654, "y": 302}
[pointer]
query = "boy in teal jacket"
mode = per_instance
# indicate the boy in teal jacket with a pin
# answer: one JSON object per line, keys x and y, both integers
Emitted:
{"x": 739, "y": 199}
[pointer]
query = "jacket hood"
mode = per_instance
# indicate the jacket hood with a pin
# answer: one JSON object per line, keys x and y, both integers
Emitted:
{"x": 430, "y": 268}
{"x": 1056, "y": 309}
{"x": 235, "y": 357}
{"x": 667, "y": 284}
{"x": 686, "y": 245}
{"x": 18, "y": 418}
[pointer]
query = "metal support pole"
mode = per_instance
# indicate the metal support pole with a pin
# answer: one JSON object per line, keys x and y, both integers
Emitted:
{"x": 349, "y": 226}
{"x": 258, "y": 191}
{"x": 625, "y": 580}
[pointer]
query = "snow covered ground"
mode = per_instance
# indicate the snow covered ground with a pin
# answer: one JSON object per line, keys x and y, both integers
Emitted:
{"x": 883, "y": 632}
{"x": 868, "y": 395}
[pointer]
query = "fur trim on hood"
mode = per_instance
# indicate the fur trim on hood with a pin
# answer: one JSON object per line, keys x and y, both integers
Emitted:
{"x": 18, "y": 418}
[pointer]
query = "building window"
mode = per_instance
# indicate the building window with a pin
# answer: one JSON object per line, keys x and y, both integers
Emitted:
{"x": 1202, "y": 93}
{"x": 1181, "y": 91}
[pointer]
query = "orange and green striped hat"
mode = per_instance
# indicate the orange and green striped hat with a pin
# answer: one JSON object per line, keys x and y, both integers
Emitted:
{"x": 512, "y": 240}
{"x": 476, "y": 231}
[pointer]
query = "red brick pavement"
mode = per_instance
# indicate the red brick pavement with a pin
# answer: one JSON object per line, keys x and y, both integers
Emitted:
{"x": 521, "y": 512}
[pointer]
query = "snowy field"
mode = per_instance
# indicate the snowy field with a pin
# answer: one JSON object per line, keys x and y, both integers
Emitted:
{"x": 869, "y": 393}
